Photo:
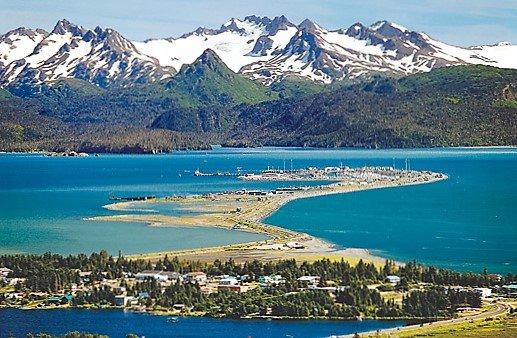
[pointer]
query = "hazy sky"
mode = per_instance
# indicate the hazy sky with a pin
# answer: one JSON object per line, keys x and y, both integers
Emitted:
{"x": 453, "y": 21}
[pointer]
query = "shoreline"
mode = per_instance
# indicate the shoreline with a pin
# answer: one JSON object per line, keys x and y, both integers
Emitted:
{"x": 216, "y": 211}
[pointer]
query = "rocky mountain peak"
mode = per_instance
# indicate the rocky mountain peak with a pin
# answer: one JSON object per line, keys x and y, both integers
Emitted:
{"x": 64, "y": 26}
{"x": 278, "y": 23}
{"x": 309, "y": 26}
{"x": 388, "y": 29}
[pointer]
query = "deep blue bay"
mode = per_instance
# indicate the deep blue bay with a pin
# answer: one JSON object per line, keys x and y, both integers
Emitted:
{"x": 464, "y": 223}
{"x": 117, "y": 323}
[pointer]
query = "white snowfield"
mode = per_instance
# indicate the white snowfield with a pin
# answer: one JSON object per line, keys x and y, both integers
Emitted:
{"x": 259, "y": 48}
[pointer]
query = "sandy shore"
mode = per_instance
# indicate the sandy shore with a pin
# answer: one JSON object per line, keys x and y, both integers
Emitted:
{"x": 246, "y": 213}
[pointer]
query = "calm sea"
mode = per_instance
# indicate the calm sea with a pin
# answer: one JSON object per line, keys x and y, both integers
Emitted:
{"x": 466, "y": 223}
{"x": 117, "y": 323}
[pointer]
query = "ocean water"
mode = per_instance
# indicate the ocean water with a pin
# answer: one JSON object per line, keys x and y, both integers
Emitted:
{"x": 465, "y": 223}
{"x": 117, "y": 323}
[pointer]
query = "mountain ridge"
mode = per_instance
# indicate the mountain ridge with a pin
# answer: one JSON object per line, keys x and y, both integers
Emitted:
{"x": 260, "y": 48}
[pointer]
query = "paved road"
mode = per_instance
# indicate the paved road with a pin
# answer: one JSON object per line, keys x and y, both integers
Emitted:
{"x": 500, "y": 309}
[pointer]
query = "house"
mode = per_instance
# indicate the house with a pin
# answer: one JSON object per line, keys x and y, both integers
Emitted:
{"x": 484, "y": 292}
{"x": 171, "y": 276}
{"x": 151, "y": 274}
{"x": 394, "y": 280}
{"x": 14, "y": 281}
{"x": 314, "y": 280}
{"x": 228, "y": 281}
{"x": 197, "y": 277}
{"x": 4, "y": 272}
{"x": 122, "y": 300}
{"x": 60, "y": 299}
{"x": 294, "y": 245}
{"x": 510, "y": 289}
{"x": 178, "y": 306}
{"x": 271, "y": 280}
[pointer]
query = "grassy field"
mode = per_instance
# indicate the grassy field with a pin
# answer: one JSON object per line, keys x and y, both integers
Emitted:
{"x": 504, "y": 326}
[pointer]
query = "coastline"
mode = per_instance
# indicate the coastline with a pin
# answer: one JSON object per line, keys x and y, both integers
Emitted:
{"x": 217, "y": 210}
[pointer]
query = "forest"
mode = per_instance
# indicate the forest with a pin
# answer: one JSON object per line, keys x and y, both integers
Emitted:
{"x": 208, "y": 104}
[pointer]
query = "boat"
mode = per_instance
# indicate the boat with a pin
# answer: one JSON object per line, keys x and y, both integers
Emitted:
{"x": 173, "y": 320}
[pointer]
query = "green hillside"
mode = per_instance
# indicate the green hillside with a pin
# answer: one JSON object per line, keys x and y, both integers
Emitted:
{"x": 207, "y": 103}
{"x": 208, "y": 81}
{"x": 454, "y": 106}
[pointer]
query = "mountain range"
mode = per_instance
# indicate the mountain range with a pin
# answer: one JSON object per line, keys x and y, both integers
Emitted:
{"x": 259, "y": 48}
{"x": 252, "y": 82}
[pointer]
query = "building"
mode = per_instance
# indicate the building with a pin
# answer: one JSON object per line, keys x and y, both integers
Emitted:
{"x": 60, "y": 299}
{"x": 271, "y": 280}
{"x": 197, "y": 277}
{"x": 484, "y": 292}
{"x": 510, "y": 290}
{"x": 150, "y": 274}
{"x": 294, "y": 245}
{"x": 393, "y": 279}
{"x": 160, "y": 276}
{"x": 314, "y": 280}
{"x": 179, "y": 307}
{"x": 122, "y": 300}
{"x": 4, "y": 272}
{"x": 172, "y": 276}
{"x": 228, "y": 281}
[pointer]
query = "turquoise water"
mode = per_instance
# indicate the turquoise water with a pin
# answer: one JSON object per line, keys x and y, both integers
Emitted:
{"x": 116, "y": 323}
{"x": 465, "y": 223}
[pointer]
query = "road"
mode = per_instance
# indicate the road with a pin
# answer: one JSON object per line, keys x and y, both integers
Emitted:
{"x": 498, "y": 310}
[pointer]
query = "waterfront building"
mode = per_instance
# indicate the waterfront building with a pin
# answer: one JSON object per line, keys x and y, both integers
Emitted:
{"x": 122, "y": 300}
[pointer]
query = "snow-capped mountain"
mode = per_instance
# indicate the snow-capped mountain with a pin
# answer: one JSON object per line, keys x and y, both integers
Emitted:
{"x": 101, "y": 56}
{"x": 258, "y": 47}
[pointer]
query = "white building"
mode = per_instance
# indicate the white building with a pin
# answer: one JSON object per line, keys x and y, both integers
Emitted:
{"x": 271, "y": 280}
{"x": 150, "y": 274}
{"x": 229, "y": 281}
{"x": 309, "y": 279}
{"x": 484, "y": 292}
{"x": 160, "y": 276}
{"x": 197, "y": 277}
{"x": 4, "y": 272}
{"x": 393, "y": 279}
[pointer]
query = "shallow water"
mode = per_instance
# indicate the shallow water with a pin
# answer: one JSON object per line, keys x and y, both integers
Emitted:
{"x": 466, "y": 222}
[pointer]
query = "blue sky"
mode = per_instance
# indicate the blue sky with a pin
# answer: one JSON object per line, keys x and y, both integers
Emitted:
{"x": 453, "y": 21}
